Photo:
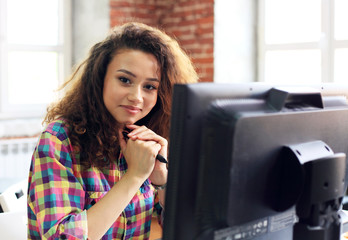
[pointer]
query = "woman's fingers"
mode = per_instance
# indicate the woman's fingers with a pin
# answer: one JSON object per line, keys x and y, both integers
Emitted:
{"x": 143, "y": 133}
{"x": 140, "y": 156}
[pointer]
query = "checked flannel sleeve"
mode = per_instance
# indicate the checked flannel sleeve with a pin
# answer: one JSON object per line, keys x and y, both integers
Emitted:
{"x": 56, "y": 197}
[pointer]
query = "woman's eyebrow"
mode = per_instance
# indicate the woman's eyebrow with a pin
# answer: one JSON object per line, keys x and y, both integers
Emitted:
{"x": 126, "y": 72}
{"x": 153, "y": 79}
{"x": 133, "y": 75}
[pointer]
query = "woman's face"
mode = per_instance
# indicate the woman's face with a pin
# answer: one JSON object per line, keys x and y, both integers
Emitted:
{"x": 131, "y": 85}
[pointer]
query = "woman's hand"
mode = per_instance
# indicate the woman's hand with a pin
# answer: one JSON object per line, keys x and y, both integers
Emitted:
{"x": 140, "y": 156}
{"x": 142, "y": 134}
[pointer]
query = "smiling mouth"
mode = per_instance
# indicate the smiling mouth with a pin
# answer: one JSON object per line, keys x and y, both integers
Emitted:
{"x": 131, "y": 109}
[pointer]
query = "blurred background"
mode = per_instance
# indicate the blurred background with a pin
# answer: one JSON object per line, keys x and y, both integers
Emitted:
{"x": 282, "y": 41}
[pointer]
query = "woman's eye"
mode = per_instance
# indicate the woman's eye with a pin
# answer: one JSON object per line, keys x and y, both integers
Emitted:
{"x": 150, "y": 87}
{"x": 124, "y": 80}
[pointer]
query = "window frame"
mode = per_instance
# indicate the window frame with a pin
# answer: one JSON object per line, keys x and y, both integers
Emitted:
{"x": 63, "y": 48}
{"x": 327, "y": 44}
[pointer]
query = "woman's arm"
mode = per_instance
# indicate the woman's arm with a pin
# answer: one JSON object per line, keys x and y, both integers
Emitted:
{"x": 140, "y": 156}
{"x": 104, "y": 213}
{"x": 56, "y": 198}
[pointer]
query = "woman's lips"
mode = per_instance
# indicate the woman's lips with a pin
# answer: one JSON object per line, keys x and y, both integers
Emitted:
{"x": 131, "y": 109}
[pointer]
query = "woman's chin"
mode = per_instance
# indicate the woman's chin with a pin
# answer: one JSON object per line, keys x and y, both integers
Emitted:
{"x": 127, "y": 123}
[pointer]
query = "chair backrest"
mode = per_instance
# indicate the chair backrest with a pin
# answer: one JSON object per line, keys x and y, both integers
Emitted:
{"x": 13, "y": 217}
{"x": 14, "y": 198}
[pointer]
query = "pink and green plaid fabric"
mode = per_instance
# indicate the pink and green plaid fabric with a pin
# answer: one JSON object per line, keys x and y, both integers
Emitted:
{"x": 60, "y": 192}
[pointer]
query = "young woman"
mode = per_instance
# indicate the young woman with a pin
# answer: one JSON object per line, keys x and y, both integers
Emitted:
{"x": 95, "y": 172}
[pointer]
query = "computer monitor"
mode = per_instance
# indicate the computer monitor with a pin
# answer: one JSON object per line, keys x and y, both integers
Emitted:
{"x": 256, "y": 161}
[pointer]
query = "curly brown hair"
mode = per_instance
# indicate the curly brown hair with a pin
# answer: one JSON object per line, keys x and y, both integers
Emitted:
{"x": 93, "y": 129}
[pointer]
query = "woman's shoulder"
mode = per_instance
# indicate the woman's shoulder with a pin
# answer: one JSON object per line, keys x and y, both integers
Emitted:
{"x": 59, "y": 128}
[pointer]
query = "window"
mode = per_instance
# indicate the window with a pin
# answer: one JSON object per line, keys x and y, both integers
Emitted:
{"x": 34, "y": 54}
{"x": 234, "y": 41}
{"x": 303, "y": 41}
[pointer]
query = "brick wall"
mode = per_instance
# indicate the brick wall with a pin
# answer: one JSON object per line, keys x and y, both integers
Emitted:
{"x": 191, "y": 22}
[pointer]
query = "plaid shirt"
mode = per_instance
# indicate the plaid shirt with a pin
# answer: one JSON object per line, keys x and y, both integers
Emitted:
{"x": 60, "y": 192}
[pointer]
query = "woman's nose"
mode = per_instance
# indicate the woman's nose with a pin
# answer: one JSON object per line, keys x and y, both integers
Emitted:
{"x": 135, "y": 94}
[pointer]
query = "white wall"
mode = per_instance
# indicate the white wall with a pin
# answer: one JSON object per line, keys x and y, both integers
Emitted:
{"x": 90, "y": 24}
{"x": 235, "y": 41}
